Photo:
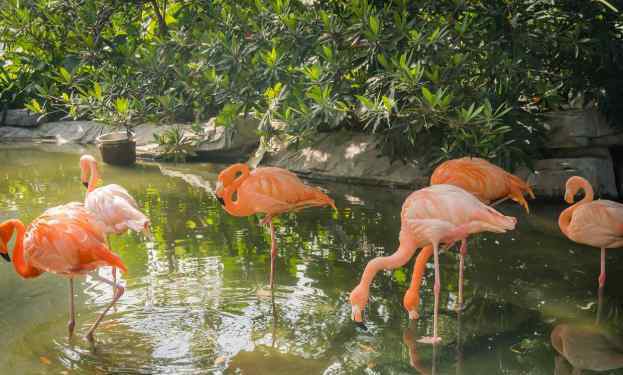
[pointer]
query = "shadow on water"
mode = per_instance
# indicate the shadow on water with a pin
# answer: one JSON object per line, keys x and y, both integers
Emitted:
{"x": 197, "y": 301}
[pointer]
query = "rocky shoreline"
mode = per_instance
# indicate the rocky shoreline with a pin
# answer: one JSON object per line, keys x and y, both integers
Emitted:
{"x": 581, "y": 142}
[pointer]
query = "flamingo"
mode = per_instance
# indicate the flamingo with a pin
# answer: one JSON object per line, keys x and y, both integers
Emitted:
{"x": 67, "y": 240}
{"x": 430, "y": 216}
{"x": 595, "y": 223}
{"x": 111, "y": 204}
{"x": 268, "y": 190}
{"x": 487, "y": 181}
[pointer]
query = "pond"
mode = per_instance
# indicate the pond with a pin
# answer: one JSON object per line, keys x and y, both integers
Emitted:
{"x": 197, "y": 300}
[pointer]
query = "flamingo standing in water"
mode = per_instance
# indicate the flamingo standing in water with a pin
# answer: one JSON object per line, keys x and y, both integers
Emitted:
{"x": 111, "y": 204}
{"x": 66, "y": 240}
{"x": 489, "y": 183}
{"x": 268, "y": 190}
{"x": 595, "y": 223}
{"x": 430, "y": 216}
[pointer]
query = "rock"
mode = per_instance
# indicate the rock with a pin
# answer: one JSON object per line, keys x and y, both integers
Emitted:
{"x": 219, "y": 143}
{"x": 580, "y": 128}
{"x": 20, "y": 117}
{"x": 81, "y": 132}
{"x": 550, "y": 176}
{"x": 349, "y": 156}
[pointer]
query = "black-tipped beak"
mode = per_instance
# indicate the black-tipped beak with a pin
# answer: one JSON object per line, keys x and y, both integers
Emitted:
{"x": 221, "y": 200}
{"x": 6, "y": 257}
{"x": 86, "y": 185}
{"x": 361, "y": 325}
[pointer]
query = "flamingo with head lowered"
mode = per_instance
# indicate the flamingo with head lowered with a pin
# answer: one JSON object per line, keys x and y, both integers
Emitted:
{"x": 66, "y": 240}
{"x": 267, "y": 190}
{"x": 432, "y": 216}
{"x": 111, "y": 204}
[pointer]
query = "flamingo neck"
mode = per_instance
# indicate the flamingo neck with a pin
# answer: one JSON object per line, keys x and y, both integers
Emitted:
{"x": 93, "y": 177}
{"x": 564, "y": 220}
{"x": 411, "y": 300}
{"x": 19, "y": 263}
{"x": 234, "y": 207}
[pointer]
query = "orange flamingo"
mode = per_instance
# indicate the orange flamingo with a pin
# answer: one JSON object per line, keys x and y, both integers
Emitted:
{"x": 268, "y": 190}
{"x": 595, "y": 223}
{"x": 111, "y": 204}
{"x": 488, "y": 182}
{"x": 66, "y": 240}
{"x": 430, "y": 216}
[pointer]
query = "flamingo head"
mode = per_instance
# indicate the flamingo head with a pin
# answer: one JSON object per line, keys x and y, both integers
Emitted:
{"x": 88, "y": 166}
{"x": 6, "y": 232}
{"x": 358, "y": 301}
{"x": 573, "y": 186}
{"x": 411, "y": 303}
{"x": 230, "y": 175}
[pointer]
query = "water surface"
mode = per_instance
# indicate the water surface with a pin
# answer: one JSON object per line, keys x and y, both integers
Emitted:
{"x": 196, "y": 299}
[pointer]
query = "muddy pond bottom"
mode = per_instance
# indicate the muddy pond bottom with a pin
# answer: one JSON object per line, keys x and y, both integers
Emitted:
{"x": 197, "y": 298}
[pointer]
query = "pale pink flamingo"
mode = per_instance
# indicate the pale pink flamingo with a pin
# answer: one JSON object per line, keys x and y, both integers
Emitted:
{"x": 595, "y": 223}
{"x": 66, "y": 240}
{"x": 111, "y": 204}
{"x": 430, "y": 216}
{"x": 267, "y": 190}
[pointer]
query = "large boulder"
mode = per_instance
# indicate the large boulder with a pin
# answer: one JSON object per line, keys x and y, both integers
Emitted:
{"x": 550, "y": 175}
{"x": 579, "y": 129}
{"x": 348, "y": 156}
{"x": 19, "y": 117}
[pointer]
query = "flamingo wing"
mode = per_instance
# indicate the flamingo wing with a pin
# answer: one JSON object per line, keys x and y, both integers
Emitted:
{"x": 68, "y": 240}
{"x": 276, "y": 190}
{"x": 116, "y": 208}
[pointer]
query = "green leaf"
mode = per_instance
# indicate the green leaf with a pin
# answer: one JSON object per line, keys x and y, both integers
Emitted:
{"x": 374, "y": 25}
{"x": 428, "y": 96}
{"x": 65, "y": 74}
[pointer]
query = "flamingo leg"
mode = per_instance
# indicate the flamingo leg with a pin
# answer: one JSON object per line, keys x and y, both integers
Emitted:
{"x": 435, "y": 339}
{"x": 273, "y": 254}
{"x": 462, "y": 253}
{"x": 71, "y": 324}
{"x": 602, "y": 275}
{"x": 114, "y": 270}
{"x": 118, "y": 293}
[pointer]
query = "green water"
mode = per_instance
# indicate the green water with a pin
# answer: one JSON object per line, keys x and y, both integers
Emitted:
{"x": 196, "y": 299}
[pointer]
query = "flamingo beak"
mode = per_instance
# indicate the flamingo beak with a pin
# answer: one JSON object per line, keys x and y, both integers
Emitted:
{"x": 6, "y": 257}
{"x": 4, "y": 252}
{"x": 86, "y": 185}
{"x": 221, "y": 201}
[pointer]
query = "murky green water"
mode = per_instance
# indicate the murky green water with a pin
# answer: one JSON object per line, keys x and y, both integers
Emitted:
{"x": 196, "y": 298}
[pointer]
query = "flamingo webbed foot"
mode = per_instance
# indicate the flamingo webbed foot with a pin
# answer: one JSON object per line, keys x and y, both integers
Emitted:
{"x": 433, "y": 340}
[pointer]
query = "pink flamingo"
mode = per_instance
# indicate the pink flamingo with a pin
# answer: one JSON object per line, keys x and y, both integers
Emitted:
{"x": 111, "y": 204}
{"x": 66, "y": 240}
{"x": 430, "y": 216}
{"x": 268, "y": 190}
{"x": 595, "y": 223}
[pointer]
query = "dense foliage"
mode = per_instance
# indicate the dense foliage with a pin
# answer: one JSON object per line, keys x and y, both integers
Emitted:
{"x": 453, "y": 77}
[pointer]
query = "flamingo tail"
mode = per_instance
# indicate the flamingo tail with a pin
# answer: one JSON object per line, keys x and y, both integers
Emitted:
{"x": 518, "y": 188}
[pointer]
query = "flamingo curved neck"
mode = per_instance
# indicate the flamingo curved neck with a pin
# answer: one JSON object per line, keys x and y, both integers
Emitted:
{"x": 235, "y": 207}
{"x": 19, "y": 263}
{"x": 93, "y": 177}
{"x": 564, "y": 220}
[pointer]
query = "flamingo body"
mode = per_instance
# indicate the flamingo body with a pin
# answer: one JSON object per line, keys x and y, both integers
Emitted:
{"x": 487, "y": 181}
